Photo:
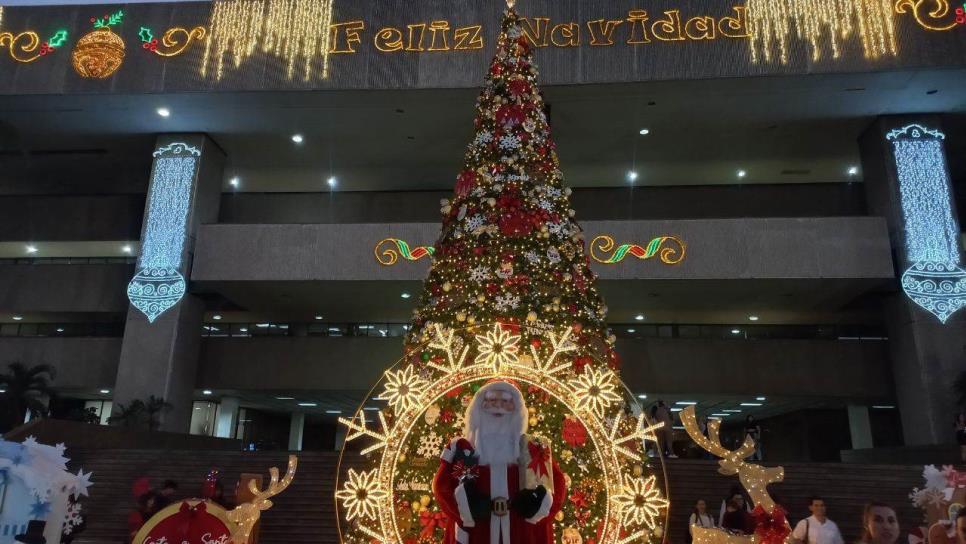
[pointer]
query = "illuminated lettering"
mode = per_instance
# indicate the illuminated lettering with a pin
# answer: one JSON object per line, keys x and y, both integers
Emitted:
{"x": 345, "y": 36}
{"x": 439, "y": 29}
{"x": 605, "y": 31}
{"x": 737, "y": 26}
{"x": 668, "y": 30}
{"x": 700, "y": 28}
{"x": 416, "y": 44}
{"x": 538, "y": 35}
{"x": 565, "y": 35}
{"x": 389, "y": 39}
{"x": 468, "y": 37}
{"x": 637, "y": 18}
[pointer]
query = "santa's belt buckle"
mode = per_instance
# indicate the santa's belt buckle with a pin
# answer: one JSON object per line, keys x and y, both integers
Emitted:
{"x": 501, "y": 506}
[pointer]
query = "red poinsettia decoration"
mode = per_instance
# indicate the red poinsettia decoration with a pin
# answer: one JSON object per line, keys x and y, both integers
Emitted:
{"x": 770, "y": 528}
{"x": 430, "y": 521}
{"x": 509, "y": 116}
{"x": 465, "y": 182}
{"x": 579, "y": 498}
{"x": 515, "y": 224}
{"x": 580, "y": 362}
{"x": 519, "y": 87}
{"x": 574, "y": 433}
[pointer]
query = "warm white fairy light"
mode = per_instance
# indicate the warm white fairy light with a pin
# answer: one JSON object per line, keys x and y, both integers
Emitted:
{"x": 497, "y": 347}
{"x": 595, "y": 391}
{"x": 361, "y": 495}
{"x": 358, "y": 430}
{"x": 403, "y": 388}
{"x": 640, "y": 502}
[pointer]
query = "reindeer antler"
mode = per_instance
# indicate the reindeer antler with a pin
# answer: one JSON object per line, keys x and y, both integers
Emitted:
{"x": 245, "y": 515}
{"x": 754, "y": 478}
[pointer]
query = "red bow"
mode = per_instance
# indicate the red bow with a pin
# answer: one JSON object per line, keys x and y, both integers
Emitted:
{"x": 770, "y": 527}
{"x": 186, "y": 516}
{"x": 538, "y": 459}
{"x": 430, "y": 521}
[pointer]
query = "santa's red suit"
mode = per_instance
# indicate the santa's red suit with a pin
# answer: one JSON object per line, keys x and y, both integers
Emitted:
{"x": 459, "y": 488}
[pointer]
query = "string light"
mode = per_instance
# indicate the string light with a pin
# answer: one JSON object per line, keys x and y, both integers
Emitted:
{"x": 387, "y": 255}
{"x": 668, "y": 255}
{"x": 595, "y": 391}
{"x": 930, "y": 15}
{"x": 295, "y": 30}
{"x": 176, "y": 40}
{"x": 497, "y": 348}
{"x": 158, "y": 285}
{"x": 934, "y": 280}
{"x": 640, "y": 502}
{"x": 825, "y": 24}
{"x": 361, "y": 495}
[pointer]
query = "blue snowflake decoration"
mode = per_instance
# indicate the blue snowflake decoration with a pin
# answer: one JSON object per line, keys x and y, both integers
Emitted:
{"x": 154, "y": 290}
{"x": 39, "y": 509}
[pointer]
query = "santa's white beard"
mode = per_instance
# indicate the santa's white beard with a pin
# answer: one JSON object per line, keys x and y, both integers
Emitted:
{"x": 497, "y": 440}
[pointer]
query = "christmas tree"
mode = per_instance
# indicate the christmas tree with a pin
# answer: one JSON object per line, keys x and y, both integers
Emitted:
{"x": 510, "y": 296}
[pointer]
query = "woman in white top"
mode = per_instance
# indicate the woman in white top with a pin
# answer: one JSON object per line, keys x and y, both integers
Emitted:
{"x": 700, "y": 517}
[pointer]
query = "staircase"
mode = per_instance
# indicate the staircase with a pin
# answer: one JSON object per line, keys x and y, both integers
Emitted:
{"x": 305, "y": 512}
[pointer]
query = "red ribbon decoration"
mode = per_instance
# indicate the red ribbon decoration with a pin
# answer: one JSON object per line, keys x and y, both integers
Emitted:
{"x": 430, "y": 521}
{"x": 771, "y": 528}
{"x": 538, "y": 459}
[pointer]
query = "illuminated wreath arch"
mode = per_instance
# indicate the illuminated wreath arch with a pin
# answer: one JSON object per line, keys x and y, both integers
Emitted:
{"x": 635, "y": 509}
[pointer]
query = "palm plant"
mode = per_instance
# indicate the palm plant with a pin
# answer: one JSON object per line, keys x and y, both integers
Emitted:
{"x": 25, "y": 389}
{"x": 140, "y": 414}
{"x": 153, "y": 409}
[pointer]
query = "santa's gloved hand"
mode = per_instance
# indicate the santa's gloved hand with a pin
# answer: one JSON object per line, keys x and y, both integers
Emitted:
{"x": 527, "y": 502}
{"x": 478, "y": 502}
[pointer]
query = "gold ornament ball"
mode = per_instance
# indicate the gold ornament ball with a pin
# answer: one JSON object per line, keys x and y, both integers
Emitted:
{"x": 638, "y": 470}
{"x": 98, "y": 54}
{"x": 415, "y": 506}
{"x": 532, "y": 317}
{"x": 460, "y": 316}
{"x": 471, "y": 320}
{"x": 559, "y": 516}
{"x": 447, "y": 286}
{"x": 425, "y": 500}
{"x": 402, "y": 457}
{"x": 533, "y": 421}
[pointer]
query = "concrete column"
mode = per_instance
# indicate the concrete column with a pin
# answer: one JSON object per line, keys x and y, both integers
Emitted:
{"x": 860, "y": 427}
{"x": 227, "y": 417}
{"x": 295, "y": 431}
{"x": 907, "y": 182}
{"x": 162, "y": 335}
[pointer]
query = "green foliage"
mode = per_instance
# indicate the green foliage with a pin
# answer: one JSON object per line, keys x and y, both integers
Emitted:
{"x": 139, "y": 414}
{"x": 26, "y": 389}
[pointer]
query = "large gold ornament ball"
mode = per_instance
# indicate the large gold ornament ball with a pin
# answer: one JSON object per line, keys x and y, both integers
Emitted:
{"x": 98, "y": 54}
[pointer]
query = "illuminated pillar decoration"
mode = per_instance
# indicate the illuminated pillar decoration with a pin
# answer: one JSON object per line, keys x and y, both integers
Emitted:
{"x": 158, "y": 284}
{"x": 934, "y": 280}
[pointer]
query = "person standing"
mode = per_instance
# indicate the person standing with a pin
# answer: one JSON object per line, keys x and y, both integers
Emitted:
{"x": 880, "y": 525}
{"x": 700, "y": 517}
{"x": 661, "y": 413}
{"x": 817, "y": 528}
{"x": 753, "y": 431}
{"x": 736, "y": 517}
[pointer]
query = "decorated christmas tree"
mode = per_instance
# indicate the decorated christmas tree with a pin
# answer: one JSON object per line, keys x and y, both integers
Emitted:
{"x": 510, "y": 297}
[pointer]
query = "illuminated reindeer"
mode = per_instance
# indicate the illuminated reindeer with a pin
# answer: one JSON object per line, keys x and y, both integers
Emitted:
{"x": 753, "y": 478}
{"x": 244, "y": 516}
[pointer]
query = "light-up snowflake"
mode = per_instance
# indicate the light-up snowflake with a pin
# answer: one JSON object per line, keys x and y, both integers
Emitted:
{"x": 497, "y": 347}
{"x": 484, "y": 137}
{"x": 506, "y": 302}
{"x": 430, "y": 444}
{"x": 640, "y": 501}
{"x": 361, "y": 495}
{"x": 474, "y": 222}
{"x": 480, "y": 273}
{"x": 546, "y": 204}
{"x": 532, "y": 257}
{"x": 509, "y": 142}
{"x": 553, "y": 255}
{"x": 403, "y": 388}
{"x": 595, "y": 390}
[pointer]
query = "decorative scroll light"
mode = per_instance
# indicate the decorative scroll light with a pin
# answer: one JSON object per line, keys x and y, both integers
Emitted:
{"x": 26, "y": 46}
{"x": 932, "y": 14}
{"x": 825, "y": 24}
{"x": 296, "y": 30}
{"x": 369, "y": 496}
{"x": 158, "y": 284}
{"x": 387, "y": 255}
{"x": 99, "y": 54}
{"x": 934, "y": 280}
{"x": 670, "y": 249}
{"x": 755, "y": 479}
{"x": 174, "y": 41}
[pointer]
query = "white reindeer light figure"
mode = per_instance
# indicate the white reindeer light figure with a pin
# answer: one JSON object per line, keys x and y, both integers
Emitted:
{"x": 753, "y": 478}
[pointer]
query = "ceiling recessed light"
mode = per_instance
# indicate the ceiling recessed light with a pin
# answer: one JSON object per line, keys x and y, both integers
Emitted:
{"x": 644, "y": 132}
{"x": 720, "y": 415}
{"x": 284, "y": 398}
{"x": 750, "y": 404}
{"x": 735, "y": 331}
{"x": 235, "y": 181}
{"x": 297, "y": 138}
{"x": 372, "y": 408}
{"x": 164, "y": 112}
{"x": 333, "y": 411}
{"x": 686, "y": 402}
{"x": 309, "y": 404}
{"x": 676, "y": 409}
{"x": 631, "y": 330}
{"x": 18, "y": 318}
{"x": 760, "y": 398}
{"x": 31, "y": 249}
{"x": 639, "y": 317}
{"x": 127, "y": 249}
{"x": 742, "y": 173}
{"x": 3, "y": 390}
{"x": 216, "y": 317}
{"x": 732, "y": 411}
{"x": 318, "y": 318}
{"x": 884, "y": 407}
{"x": 752, "y": 318}
{"x": 206, "y": 392}
{"x": 243, "y": 329}
{"x": 105, "y": 391}
{"x": 405, "y": 295}
{"x": 631, "y": 176}
{"x": 853, "y": 170}
{"x": 60, "y": 329}
{"x": 642, "y": 396}
{"x": 332, "y": 181}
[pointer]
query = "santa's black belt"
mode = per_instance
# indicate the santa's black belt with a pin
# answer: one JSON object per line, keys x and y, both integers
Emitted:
{"x": 500, "y": 506}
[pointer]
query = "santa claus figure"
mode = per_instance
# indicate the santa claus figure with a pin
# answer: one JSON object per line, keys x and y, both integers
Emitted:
{"x": 496, "y": 484}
